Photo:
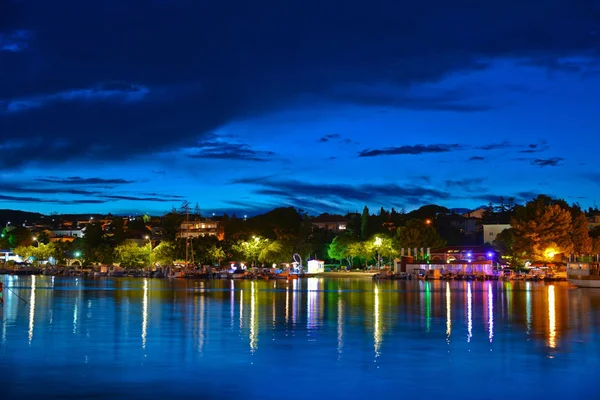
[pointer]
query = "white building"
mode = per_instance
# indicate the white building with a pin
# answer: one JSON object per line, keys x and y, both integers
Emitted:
{"x": 78, "y": 233}
{"x": 491, "y": 231}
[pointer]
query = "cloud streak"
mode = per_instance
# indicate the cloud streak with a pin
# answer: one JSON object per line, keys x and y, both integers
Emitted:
{"x": 410, "y": 150}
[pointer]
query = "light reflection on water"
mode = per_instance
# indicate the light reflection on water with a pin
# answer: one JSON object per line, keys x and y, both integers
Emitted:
{"x": 221, "y": 339}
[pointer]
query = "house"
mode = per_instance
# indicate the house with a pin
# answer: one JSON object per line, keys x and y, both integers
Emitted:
{"x": 201, "y": 228}
{"x": 491, "y": 231}
{"x": 332, "y": 223}
{"x": 456, "y": 259}
{"x": 478, "y": 213}
{"x": 66, "y": 235}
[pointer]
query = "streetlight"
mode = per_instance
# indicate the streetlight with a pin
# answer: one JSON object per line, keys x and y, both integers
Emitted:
{"x": 378, "y": 243}
{"x": 35, "y": 239}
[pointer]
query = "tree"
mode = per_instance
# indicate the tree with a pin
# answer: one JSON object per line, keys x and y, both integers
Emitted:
{"x": 131, "y": 255}
{"x": 250, "y": 249}
{"x": 416, "y": 233}
{"x": 505, "y": 244}
{"x": 339, "y": 249}
{"x": 542, "y": 229}
{"x": 364, "y": 223}
{"x": 163, "y": 254}
{"x": 216, "y": 254}
{"x": 580, "y": 235}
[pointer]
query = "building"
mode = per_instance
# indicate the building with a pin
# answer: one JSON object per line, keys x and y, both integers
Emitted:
{"x": 66, "y": 235}
{"x": 332, "y": 223}
{"x": 478, "y": 213}
{"x": 204, "y": 228}
{"x": 491, "y": 231}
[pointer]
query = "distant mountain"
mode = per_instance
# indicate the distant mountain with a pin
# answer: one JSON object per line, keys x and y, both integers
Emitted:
{"x": 16, "y": 217}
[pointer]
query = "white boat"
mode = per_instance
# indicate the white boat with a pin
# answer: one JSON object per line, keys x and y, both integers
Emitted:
{"x": 584, "y": 274}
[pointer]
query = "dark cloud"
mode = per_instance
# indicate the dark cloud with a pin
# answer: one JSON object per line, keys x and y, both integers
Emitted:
{"x": 536, "y": 148}
{"x": 548, "y": 162}
{"x": 329, "y": 137}
{"x": 411, "y": 150}
{"x": 25, "y": 199}
{"x": 472, "y": 185}
{"x": 184, "y": 68}
{"x": 476, "y": 158}
{"x": 76, "y": 180}
{"x": 137, "y": 198}
{"x": 496, "y": 146}
{"x": 230, "y": 151}
{"x": 343, "y": 195}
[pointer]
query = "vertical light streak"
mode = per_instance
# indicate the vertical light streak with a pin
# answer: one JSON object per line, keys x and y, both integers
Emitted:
{"x": 232, "y": 305}
{"x": 469, "y": 312}
{"x": 295, "y": 299}
{"x": 490, "y": 313}
{"x": 311, "y": 304}
{"x": 340, "y": 327}
{"x": 427, "y": 306}
{"x": 241, "y": 309}
{"x": 253, "y": 328}
{"x": 551, "y": 317}
{"x": 377, "y": 323}
{"x": 528, "y": 305}
{"x": 145, "y": 314}
{"x": 31, "y": 309}
{"x": 287, "y": 302}
{"x": 448, "y": 312}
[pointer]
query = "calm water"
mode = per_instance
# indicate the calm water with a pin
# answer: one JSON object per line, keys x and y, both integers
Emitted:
{"x": 312, "y": 338}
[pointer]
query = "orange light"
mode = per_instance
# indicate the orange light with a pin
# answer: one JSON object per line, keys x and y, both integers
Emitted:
{"x": 428, "y": 221}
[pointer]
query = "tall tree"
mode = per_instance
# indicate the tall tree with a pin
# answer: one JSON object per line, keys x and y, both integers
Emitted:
{"x": 580, "y": 235}
{"x": 364, "y": 223}
{"x": 542, "y": 229}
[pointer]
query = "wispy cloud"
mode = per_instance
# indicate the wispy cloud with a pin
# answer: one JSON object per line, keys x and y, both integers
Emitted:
{"x": 410, "y": 150}
{"x": 76, "y": 180}
{"x": 476, "y": 158}
{"x": 230, "y": 151}
{"x": 536, "y": 148}
{"x": 118, "y": 91}
{"x": 548, "y": 162}
{"x": 496, "y": 146}
{"x": 15, "y": 41}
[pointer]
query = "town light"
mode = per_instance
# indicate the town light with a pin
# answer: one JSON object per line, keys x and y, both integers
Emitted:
{"x": 146, "y": 237}
{"x": 428, "y": 221}
{"x": 550, "y": 252}
{"x": 77, "y": 254}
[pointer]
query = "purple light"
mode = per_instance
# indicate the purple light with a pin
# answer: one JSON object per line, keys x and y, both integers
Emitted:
{"x": 490, "y": 254}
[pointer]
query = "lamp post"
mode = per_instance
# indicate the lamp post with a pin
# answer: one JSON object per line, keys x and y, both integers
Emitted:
{"x": 35, "y": 239}
{"x": 377, "y": 244}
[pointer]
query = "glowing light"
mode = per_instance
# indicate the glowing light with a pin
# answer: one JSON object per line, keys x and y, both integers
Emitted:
{"x": 287, "y": 303}
{"x": 311, "y": 304}
{"x": 378, "y": 241}
{"x": 232, "y": 303}
{"x": 528, "y": 303}
{"x": 550, "y": 252}
{"x": 31, "y": 309}
{"x": 340, "y": 327}
{"x": 448, "y": 312}
{"x": 295, "y": 300}
{"x": 428, "y": 221}
{"x": 490, "y": 313}
{"x": 469, "y": 312}
{"x": 551, "y": 317}
{"x": 75, "y": 313}
{"x": 145, "y": 314}
{"x": 490, "y": 254}
{"x": 377, "y": 324}
{"x": 253, "y": 336}
{"x": 427, "y": 307}
{"x": 241, "y": 309}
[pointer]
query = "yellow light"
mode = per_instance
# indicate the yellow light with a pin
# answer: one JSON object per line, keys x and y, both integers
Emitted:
{"x": 378, "y": 241}
{"x": 428, "y": 221}
{"x": 550, "y": 252}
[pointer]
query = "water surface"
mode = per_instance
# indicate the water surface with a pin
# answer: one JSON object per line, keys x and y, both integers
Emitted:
{"x": 128, "y": 338}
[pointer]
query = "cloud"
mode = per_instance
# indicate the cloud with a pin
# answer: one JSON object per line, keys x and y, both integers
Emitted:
{"x": 328, "y": 196}
{"x": 476, "y": 158}
{"x": 536, "y": 147}
{"x": 116, "y": 91}
{"x": 329, "y": 137}
{"x": 548, "y": 162}
{"x": 410, "y": 150}
{"x": 471, "y": 185}
{"x": 25, "y": 199}
{"x": 15, "y": 41}
{"x": 496, "y": 146}
{"x": 76, "y": 180}
{"x": 137, "y": 198}
{"x": 56, "y": 91}
{"x": 230, "y": 151}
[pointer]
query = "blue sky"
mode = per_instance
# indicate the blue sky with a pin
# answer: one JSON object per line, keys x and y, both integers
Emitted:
{"x": 129, "y": 107}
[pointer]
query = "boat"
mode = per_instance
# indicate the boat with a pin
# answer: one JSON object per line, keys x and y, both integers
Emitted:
{"x": 507, "y": 274}
{"x": 584, "y": 274}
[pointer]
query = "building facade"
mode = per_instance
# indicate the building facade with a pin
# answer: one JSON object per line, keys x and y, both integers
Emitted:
{"x": 491, "y": 231}
{"x": 195, "y": 229}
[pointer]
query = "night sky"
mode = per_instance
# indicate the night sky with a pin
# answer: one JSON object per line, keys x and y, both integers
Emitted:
{"x": 128, "y": 106}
